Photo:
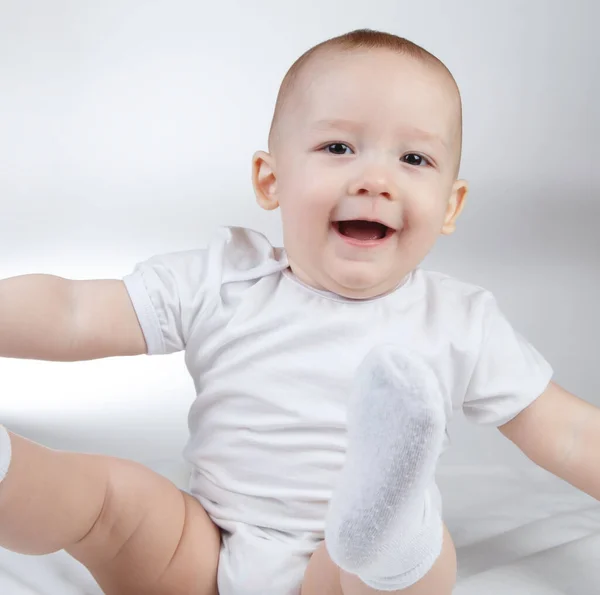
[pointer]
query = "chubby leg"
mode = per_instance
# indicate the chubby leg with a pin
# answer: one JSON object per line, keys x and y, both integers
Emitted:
{"x": 323, "y": 577}
{"x": 134, "y": 530}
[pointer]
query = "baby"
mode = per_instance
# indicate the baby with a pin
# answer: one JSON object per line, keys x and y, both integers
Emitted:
{"x": 326, "y": 372}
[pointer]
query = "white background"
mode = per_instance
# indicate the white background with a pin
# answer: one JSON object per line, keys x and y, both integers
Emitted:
{"x": 127, "y": 129}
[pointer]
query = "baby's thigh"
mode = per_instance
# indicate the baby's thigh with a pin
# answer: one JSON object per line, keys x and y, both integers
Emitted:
{"x": 151, "y": 538}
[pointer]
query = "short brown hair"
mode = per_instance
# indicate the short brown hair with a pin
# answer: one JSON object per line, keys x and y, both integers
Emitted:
{"x": 358, "y": 39}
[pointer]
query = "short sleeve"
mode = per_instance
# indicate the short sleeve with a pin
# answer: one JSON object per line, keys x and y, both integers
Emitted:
{"x": 509, "y": 373}
{"x": 168, "y": 292}
{"x": 177, "y": 294}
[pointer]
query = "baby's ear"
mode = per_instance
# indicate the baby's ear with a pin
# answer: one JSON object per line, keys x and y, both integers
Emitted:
{"x": 264, "y": 180}
{"x": 456, "y": 204}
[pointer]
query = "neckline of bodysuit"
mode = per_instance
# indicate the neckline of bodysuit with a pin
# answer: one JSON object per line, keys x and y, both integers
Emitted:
{"x": 289, "y": 274}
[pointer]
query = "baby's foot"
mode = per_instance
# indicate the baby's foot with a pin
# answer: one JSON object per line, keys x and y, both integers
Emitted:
{"x": 381, "y": 524}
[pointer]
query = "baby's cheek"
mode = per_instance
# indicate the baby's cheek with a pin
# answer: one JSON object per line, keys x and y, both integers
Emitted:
{"x": 427, "y": 212}
{"x": 308, "y": 208}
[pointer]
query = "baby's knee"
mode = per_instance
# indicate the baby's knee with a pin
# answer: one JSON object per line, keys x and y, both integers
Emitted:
{"x": 150, "y": 537}
{"x": 121, "y": 513}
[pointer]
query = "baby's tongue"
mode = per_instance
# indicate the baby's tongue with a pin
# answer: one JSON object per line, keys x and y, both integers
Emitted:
{"x": 362, "y": 230}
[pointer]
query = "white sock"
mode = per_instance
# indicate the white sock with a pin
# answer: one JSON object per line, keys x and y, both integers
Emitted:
{"x": 5, "y": 452}
{"x": 382, "y": 524}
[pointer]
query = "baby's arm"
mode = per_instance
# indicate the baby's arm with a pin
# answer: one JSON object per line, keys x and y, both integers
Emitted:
{"x": 561, "y": 433}
{"x": 50, "y": 318}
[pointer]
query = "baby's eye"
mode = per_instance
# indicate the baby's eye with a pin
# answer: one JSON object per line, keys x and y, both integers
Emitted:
{"x": 336, "y": 148}
{"x": 415, "y": 159}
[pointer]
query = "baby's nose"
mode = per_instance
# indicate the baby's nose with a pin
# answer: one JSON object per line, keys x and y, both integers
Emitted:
{"x": 373, "y": 182}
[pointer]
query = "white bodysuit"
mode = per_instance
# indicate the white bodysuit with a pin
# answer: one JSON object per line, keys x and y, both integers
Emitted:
{"x": 273, "y": 361}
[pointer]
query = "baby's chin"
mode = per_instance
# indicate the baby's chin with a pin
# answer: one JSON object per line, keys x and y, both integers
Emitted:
{"x": 360, "y": 280}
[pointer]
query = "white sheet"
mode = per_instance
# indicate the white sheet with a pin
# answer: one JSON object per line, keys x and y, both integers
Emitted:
{"x": 515, "y": 532}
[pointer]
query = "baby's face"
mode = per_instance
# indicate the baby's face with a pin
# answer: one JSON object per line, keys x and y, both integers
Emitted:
{"x": 365, "y": 171}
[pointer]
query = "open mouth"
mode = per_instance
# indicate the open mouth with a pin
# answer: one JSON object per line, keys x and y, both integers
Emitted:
{"x": 363, "y": 231}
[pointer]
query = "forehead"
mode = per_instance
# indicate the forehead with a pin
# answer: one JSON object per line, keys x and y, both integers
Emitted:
{"x": 377, "y": 87}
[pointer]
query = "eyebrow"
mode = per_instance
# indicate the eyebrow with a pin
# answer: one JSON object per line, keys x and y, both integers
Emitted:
{"x": 339, "y": 123}
{"x": 352, "y": 126}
